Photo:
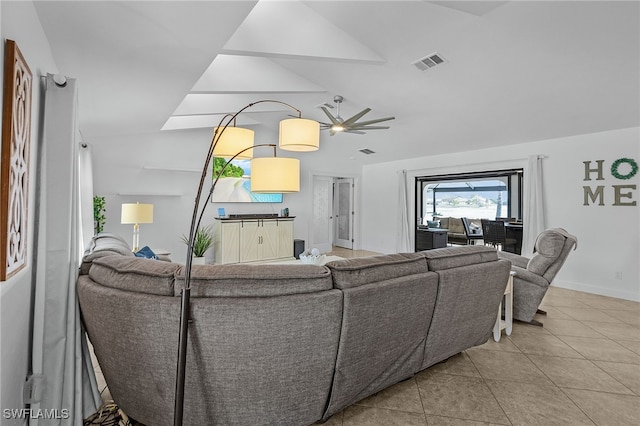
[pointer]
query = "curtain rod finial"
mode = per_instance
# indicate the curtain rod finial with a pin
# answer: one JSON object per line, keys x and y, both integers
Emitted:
{"x": 60, "y": 80}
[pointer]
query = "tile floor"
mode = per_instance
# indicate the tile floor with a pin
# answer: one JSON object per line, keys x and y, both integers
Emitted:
{"x": 581, "y": 368}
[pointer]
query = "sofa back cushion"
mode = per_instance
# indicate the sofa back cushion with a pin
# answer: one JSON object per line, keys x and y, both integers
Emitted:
{"x": 466, "y": 308}
{"x": 134, "y": 274}
{"x": 101, "y": 245}
{"x": 454, "y": 257}
{"x": 349, "y": 273}
{"x": 244, "y": 280}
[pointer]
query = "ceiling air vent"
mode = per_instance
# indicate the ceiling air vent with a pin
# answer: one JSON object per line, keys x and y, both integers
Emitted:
{"x": 367, "y": 151}
{"x": 429, "y": 61}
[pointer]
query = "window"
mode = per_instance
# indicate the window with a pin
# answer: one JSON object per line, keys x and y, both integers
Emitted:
{"x": 480, "y": 195}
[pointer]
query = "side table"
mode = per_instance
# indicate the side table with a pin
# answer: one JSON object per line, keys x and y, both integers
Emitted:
{"x": 430, "y": 238}
{"x": 507, "y": 323}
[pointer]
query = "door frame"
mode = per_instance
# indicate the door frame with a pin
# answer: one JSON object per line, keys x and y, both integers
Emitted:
{"x": 357, "y": 202}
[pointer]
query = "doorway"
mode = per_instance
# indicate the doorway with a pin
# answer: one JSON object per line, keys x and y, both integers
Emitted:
{"x": 333, "y": 212}
{"x": 343, "y": 208}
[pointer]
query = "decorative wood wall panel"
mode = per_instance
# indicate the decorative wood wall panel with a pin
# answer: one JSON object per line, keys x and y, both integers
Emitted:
{"x": 16, "y": 136}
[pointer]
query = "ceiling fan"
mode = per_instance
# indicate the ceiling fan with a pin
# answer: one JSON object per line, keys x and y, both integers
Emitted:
{"x": 350, "y": 125}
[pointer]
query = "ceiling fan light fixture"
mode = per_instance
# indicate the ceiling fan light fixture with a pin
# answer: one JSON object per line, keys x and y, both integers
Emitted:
{"x": 352, "y": 124}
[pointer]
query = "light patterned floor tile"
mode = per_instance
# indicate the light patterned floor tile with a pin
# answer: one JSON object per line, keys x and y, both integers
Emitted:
{"x": 562, "y": 327}
{"x": 631, "y": 345}
{"x": 403, "y": 396}
{"x": 607, "y": 409}
{"x": 541, "y": 344}
{"x": 627, "y": 374}
{"x": 629, "y": 317}
{"x": 578, "y": 374}
{"x": 620, "y": 331}
{"x": 529, "y": 404}
{"x": 515, "y": 367}
{"x": 524, "y": 328}
{"x": 368, "y": 416}
{"x": 457, "y": 365}
{"x": 503, "y": 345}
{"x": 449, "y": 421}
{"x": 606, "y": 303}
{"x": 552, "y": 312}
{"x": 602, "y": 349}
{"x": 559, "y": 302}
{"x": 588, "y": 314}
{"x": 460, "y": 397}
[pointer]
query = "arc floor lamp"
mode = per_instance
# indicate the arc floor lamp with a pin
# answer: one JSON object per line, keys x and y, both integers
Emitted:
{"x": 268, "y": 175}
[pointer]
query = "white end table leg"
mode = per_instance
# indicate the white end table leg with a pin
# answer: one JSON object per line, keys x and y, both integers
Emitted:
{"x": 508, "y": 309}
{"x": 496, "y": 327}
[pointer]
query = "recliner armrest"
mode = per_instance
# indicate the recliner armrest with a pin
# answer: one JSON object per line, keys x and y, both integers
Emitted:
{"x": 516, "y": 260}
{"x": 530, "y": 277}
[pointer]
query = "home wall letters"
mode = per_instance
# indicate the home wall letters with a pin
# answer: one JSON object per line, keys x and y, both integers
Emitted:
{"x": 622, "y": 169}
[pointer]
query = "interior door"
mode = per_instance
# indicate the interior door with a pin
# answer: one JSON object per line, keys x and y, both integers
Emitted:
{"x": 322, "y": 216}
{"x": 343, "y": 207}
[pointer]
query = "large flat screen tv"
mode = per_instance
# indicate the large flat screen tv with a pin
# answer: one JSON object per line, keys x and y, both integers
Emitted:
{"x": 235, "y": 184}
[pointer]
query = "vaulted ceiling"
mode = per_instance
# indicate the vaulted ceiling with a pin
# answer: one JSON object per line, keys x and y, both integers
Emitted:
{"x": 513, "y": 71}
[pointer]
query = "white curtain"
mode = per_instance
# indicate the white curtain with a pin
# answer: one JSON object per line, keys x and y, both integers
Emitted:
{"x": 403, "y": 244}
{"x": 534, "y": 210}
{"x": 60, "y": 351}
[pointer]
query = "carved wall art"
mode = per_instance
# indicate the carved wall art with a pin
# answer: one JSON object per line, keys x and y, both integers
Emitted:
{"x": 16, "y": 136}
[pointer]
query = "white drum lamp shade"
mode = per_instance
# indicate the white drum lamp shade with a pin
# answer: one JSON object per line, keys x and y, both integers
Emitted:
{"x": 275, "y": 175}
{"x": 299, "y": 134}
{"x": 232, "y": 141}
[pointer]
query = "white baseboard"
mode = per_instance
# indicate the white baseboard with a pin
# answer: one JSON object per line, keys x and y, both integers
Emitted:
{"x": 603, "y": 291}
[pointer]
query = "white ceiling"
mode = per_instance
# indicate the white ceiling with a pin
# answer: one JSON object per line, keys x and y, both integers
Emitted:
{"x": 515, "y": 71}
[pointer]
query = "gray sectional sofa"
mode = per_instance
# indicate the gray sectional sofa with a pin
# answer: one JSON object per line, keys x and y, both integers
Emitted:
{"x": 283, "y": 344}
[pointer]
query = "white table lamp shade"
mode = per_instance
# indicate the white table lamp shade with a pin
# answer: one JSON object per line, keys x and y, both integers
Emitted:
{"x": 137, "y": 213}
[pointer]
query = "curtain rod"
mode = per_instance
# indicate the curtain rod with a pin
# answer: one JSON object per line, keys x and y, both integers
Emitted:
{"x": 539, "y": 156}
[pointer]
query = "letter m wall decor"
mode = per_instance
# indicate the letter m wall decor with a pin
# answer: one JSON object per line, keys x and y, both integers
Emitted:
{"x": 14, "y": 166}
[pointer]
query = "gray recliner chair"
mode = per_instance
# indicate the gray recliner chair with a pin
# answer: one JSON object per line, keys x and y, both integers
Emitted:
{"x": 533, "y": 276}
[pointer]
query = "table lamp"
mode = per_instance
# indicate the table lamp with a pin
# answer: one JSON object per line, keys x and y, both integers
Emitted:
{"x": 136, "y": 214}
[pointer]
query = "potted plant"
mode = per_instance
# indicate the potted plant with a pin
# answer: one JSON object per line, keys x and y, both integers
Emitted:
{"x": 201, "y": 243}
{"x": 99, "y": 218}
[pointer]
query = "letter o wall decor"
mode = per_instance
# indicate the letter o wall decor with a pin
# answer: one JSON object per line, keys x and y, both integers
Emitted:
{"x": 16, "y": 136}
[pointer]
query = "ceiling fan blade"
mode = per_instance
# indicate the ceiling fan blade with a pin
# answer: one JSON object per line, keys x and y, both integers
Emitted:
{"x": 368, "y": 127}
{"x": 356, "y": 117}
{"x": 355, "y": 131}
{"x": 377, "y": 120}
{"x": 331, "y": 117}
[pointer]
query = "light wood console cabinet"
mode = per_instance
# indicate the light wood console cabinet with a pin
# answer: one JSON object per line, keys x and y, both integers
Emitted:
{"x": 253, "y": 239}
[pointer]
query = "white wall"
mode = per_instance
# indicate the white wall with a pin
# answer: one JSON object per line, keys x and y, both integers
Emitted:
{"x": 606, "y": 260}
{"x": 20, "y": 22}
